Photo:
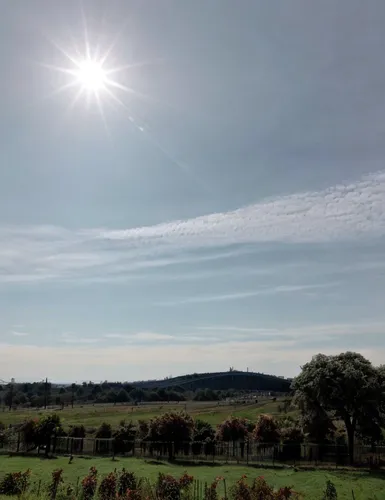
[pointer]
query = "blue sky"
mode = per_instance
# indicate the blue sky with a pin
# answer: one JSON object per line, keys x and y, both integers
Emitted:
{"x": 225, "y": 207}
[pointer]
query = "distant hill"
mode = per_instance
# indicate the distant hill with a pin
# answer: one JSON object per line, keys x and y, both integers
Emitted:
{"x": 238, "y": 380}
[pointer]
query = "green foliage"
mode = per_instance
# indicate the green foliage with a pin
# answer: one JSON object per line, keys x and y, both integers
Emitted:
{"x": 175, "y": 429}
{"x": 202, "y": 430}
{"x": 206, "y": 395}
{"x": 266, "y": 430}
{"x": 291, "y": 432}
{"x": 57, "y": 479}
{"x": 330, "y": 493}
{"x": 124, "y": 437}
{"x": 260, "y": 489}
{"x": 170, "y": 488}
{"x": 15, "y": 483}
{"x": 127, "y": 481}
{"x": 345, "y": 386}
{"x": 77, "y": 431}
{"x": 108, "y": 486}
{"x": 104, "y": 431}
{"x": 233, "y": 429}
{"x": 316, "y": 423}
{"x": 89, "y": 484}
{"x": 203, "y": 438}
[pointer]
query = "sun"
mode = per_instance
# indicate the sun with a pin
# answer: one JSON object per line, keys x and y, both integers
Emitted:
{"x": 91, "y": 75}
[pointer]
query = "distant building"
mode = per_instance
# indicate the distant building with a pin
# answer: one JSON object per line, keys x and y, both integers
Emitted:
{"x": 12, "y": 380}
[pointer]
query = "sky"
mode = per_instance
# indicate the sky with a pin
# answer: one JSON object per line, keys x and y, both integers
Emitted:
{"x": 217, "y": 201}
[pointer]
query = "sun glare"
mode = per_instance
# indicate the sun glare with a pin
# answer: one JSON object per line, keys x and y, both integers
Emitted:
{"x": 91, "y": 76}
{"x": 87, "y": 73}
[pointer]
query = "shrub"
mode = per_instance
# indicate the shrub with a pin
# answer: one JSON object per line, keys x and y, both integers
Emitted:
{"x": 15, "y": 483}
{"x": 107, "y": 488}
{"x": 127, "y": 481}
{"x": 77, "y": 431}
{"x": 170, "y": 488}
{"x": 45, "y": 429}
{"x": 330, "y": 493}
{"x": 266, "y": 430}
{"x": 124, "y": 437}
{"x": 2, "y": 434}
{"x": 89, "y": 484}
{"x": 104, "y": 431}
{"x": 167, "y": 487}
{"x": 260, "y": 490}
{"x": 203, "y": 438}
{"x": 57, "y": 479}
{"x": 185, "y": 481}
{"x": 28, "y": 432}
{"x": 211, "y": 492}
{"x": 173, "y": 429}
{"x": 233, "y": 429}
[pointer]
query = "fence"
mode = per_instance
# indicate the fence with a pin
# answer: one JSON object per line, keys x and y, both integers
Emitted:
{"x": 237, "y": 452}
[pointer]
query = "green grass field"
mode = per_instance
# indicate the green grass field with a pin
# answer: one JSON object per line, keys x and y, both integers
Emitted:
{"x": 310, "y": 483}
{"x": 93, "y": 416}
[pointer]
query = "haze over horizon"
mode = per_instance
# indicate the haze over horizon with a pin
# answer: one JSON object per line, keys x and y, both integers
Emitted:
{"x": 188, "y": 186}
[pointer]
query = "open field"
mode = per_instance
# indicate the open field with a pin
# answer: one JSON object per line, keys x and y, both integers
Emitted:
{"x": 310, "y": 483}
{"x": 93, "y": 416}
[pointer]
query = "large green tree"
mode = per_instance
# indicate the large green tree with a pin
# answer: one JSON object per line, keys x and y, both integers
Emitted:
{"x": 173, "y": 429}
{"x": 347, "y": 387}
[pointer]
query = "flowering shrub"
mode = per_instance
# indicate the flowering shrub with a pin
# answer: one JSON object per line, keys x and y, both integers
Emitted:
{"x": 127, "y": 481}
{"x": 233, "y": 429}
{"x": 167, "y": 487}
{"x": 133, "y": 495}
{"x": 185, "y": 481}
{"x": 260, "y": 490}
{"x": 57, "y": 479}
{"x": 89, "y": 484}
{"x": 15, "y": 483}
{"x": 211, "y": 492}
{"x": 107, "y": 488}
{"x": 173, "y": 430}
{"x": 266, "y": 430}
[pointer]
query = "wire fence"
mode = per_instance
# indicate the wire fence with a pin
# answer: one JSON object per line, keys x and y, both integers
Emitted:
{"x": 240, "y": 452}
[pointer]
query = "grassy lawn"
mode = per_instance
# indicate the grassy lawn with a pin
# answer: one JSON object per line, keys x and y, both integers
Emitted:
{"x": 93, "y": 416}
{"x": 310, "y": 483}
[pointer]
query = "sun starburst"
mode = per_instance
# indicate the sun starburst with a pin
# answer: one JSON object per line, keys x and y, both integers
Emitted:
{"x": 91, "y": 75}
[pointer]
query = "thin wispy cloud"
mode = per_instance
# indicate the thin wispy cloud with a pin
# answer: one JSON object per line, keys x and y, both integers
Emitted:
{"x": 244, "y": 295}
{"x": 69, "y": 338}
{"x": 140, "y": 336}
{"x": 307, "y": 331}
{"x": 341, "y": 213}
{"x": 19, "y": 334}
{"x": 150, "y": 337}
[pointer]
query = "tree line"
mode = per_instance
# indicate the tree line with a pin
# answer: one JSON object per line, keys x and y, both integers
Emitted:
{"x": 43, "y": 394}
{"x": 339, "y": 399}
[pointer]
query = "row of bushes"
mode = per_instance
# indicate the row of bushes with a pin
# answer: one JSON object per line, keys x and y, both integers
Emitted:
{"x": 173, "y": 430}
{"x": 125, "y": 485}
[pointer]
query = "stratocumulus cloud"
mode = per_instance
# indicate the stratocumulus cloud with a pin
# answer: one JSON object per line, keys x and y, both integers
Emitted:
{"x": 340, "y": 213}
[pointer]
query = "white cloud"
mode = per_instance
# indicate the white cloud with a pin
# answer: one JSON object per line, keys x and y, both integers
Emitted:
{"x": 326, "y": 331}
{"x": 140, "y": 336}
{"x": 344, "y": 212}
{"x": 243, "y": 295}
{"x": 69, "y": 338}
{"x": 20, "y": 334}
{"x": 146, "y": 337}
{"x": 147, "y": 355}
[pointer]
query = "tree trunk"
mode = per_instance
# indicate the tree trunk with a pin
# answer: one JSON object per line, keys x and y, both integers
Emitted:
{"x": 350, "y": 429}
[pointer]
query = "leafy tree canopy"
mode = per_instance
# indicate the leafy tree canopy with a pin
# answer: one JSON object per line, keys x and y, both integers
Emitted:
{"x": 346, "y": 386}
